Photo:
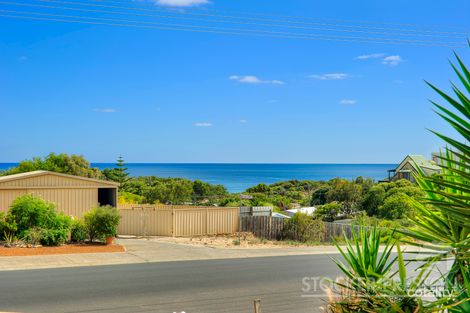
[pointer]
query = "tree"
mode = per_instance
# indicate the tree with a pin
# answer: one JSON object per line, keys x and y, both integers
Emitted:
{"x": 119, "y": 173}
{"x": 60, "y": 163}
{"x": 373, "y": 199}
{"x": 346, "y": 192}
{"x": 396, "y": 206}
{"x": 319, "y": 196}
{"x": 260, "y": 188}
{"x": 330, "y": 211}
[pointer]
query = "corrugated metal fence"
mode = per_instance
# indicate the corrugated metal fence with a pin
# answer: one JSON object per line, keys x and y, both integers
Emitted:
{"x": 177, "y": 220}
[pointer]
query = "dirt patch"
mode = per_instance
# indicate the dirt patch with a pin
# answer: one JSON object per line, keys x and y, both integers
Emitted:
{"x": 65, "y": 249}
{"x": 247, "y": 240}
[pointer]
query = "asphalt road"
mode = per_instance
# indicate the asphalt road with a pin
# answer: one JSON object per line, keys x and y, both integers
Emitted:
{"x": 213, "y": 286}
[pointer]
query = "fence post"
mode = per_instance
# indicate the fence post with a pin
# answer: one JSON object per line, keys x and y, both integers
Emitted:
{"x": 257, "y": 305}
{"x": 173, "y": 221}
{"x": 207, "y": 222}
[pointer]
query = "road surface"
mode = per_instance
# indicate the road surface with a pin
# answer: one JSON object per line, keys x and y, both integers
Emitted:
{"x": 212, "y": 286}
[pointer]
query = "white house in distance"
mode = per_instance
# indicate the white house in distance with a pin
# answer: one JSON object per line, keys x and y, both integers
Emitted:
{"x": 409, "y": 166}
{"x": 307, "y": 210}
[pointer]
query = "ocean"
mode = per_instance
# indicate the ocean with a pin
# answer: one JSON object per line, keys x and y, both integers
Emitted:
{"x": 238, "y": 177}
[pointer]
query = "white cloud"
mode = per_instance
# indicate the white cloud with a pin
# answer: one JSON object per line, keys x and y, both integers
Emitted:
{"x": 181, "y": 3}
{"x": 348, "y": 101}
{"x": 250, "y": 79}
{"x": 370, "y": 56}
{"x": 243, "y": 121}
{"x": 106, "y": 110}
{"x": 330, "y": 76}
{"x": 203, "y": 124}
{"x": 392, "y": 60}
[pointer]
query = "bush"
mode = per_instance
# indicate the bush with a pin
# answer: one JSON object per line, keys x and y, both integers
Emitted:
{"x": 29, "y": 211}
{"x": 53, "y": 234}
{"x": 37, "y": 220}
{"x": 101, "y": 222}
{"x": 130, "y": 198}
{"x": 34, "y": 235}
{"x": 78, "y": 232}
{"x": 396, "y": 206}
{"x": 304, "y": 228}
{"x": 329, "y": 212}
{"x": 57, "y": 230}
{"x": 7, "y": 225}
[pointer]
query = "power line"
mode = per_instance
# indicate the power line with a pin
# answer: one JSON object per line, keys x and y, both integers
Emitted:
{"x": 287, "y": 17}
{"x": 224, "y": 21}
{"x": 245, "y": 18}
{"x": 232, "y": 31}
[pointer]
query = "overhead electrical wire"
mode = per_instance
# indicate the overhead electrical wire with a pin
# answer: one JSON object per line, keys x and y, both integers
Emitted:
{"x": 199, "y": 28}
{"x": 244, "y": 18}
{"x": 386, "y": 38}
{"x": 290, "y": 17}
{"x": 224, "y": 21}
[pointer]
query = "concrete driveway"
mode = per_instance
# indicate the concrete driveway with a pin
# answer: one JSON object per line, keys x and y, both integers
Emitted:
{"x": 152, "y": 250}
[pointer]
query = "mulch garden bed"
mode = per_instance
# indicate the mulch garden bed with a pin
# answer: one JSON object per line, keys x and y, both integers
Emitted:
{"x": 64, "y": 249}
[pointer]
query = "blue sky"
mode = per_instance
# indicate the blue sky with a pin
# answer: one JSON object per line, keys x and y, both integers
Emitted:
{"x": 157, "y": 95}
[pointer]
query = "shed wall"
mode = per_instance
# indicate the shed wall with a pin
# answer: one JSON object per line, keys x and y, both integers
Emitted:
{"x": 70, "y": 201}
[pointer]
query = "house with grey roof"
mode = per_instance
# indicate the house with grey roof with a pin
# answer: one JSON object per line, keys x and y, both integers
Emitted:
{"x": 409, "y": 166}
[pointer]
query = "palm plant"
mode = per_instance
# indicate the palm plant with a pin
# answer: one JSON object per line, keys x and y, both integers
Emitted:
{"x": 442, "y": 224}
{"x": 443, "y": 219}
{"x": 363, "y": 257}
{"x": 370, "y": 284}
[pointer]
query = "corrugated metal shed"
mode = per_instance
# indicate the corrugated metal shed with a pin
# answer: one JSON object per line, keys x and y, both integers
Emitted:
{"x": 73, "y": 195}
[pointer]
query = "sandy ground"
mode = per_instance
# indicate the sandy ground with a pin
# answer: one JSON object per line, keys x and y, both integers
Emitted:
{"x": 247, "y": 240}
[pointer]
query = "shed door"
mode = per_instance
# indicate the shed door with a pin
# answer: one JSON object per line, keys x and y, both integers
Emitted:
{"x": 107, "y": 196}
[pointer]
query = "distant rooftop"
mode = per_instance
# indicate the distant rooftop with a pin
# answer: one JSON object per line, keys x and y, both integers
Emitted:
{"x": 422, "y": 162}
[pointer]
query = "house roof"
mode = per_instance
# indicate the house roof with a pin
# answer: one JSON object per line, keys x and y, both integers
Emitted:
{"x": 420, "y": 161}
{"x": 40, "y": 173}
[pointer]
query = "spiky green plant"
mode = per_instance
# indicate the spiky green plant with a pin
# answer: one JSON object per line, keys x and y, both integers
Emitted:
{"x": 364, "y": 260}
{"x": 443, "y": 219}
{"x": 389, "y": 294}
{"x": 442, "y": 224}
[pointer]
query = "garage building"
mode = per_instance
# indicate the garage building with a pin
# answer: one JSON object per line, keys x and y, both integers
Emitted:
{"x": 72, "y": 195}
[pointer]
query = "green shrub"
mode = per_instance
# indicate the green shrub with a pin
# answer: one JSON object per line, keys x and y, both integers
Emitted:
{"x": 34, "y": 235}
{"x": 101, "y": 222}
{"x": 130, "y": 198}
{"x": 29, "y": 211}
{"x": 57, "y": 230}
{"x": 78, "y": 232}
{"x": 54, "y": 237}
{"x": 7, "y": 225}
{"x": 304, "y": 228}
{"x": 329, "y": 212}
{"x": 37, "y": 220}
{"x": 396, "y": 206}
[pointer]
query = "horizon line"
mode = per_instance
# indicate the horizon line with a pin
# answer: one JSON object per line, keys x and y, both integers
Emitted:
{"x": 240, "y": 163}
